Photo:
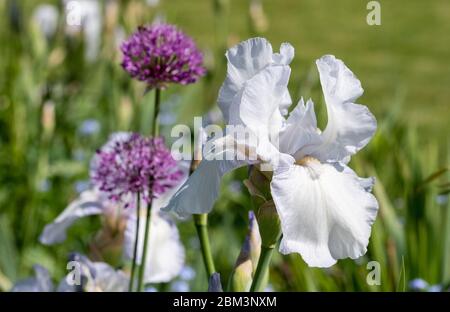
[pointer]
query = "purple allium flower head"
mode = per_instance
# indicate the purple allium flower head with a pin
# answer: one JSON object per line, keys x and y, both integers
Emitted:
{"x": 160, "y": 54}
{"x": 130, "y": 163}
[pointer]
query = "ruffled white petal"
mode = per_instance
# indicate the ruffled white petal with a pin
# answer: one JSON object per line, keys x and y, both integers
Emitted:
{"x": 325, "y": 214}
{"x": 87, "y": 204}
{"x": 366, "y": 183}
{"x": 246, "y": 60}
{"x": 284, "y": 58}
{"x": 165, "y": 257}
{"x": 286, "y": 54}
{"x": 260, "y": 101}
{"x": 350, "y": 126}
{"x": 300, "y": 130}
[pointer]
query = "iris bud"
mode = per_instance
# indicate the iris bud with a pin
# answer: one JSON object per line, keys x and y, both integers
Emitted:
{"x": 269, "y": 224}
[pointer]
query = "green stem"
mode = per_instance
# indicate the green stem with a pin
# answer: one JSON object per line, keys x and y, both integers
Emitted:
{"x": 156, "y": 113}
{"x": 201, "y": 225}
{"x": 144, "y": 251}
{"x": 150, "y": 196}
{"x": 133, "y": 266}
{"x": 262, "y": 268}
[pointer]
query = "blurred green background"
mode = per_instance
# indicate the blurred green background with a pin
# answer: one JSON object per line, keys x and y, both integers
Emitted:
{"x": 59, "y": 103}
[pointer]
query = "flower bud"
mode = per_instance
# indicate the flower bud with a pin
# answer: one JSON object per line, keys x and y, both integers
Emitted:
{"x": 269, "y": 224}
{"x": 258, "y": 186}
{"x": 245, "y": 267}
{"x": 48, "y": 118}
{"x": 214, "y": 283}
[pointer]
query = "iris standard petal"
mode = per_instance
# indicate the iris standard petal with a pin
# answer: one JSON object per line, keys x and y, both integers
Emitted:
{"x": 87, "y": 204}
{"x": 286, "y": 54}
{"x": 325, "y": 214}
{"x": 244, "y": 61}
{"x": 261, "y": 98}
{"x": 300, "y": 130}
{"x": 350, "y": 126}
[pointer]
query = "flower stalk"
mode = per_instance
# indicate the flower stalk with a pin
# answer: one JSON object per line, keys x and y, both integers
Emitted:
{"x": 150, "y": 196}
{"x": 201, "y": 221}
{"x": 270, "y": 231}
{"x": 262, "y": 269}
{"x": 136, "y": 242}
{"x": 201, "y": 225}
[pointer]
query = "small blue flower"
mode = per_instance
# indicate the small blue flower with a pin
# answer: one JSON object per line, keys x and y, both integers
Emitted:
{"x": 180, "y": 286}
{"x": 418, "y": 284}
{"x": 89, "y": 127}
{"x": 187, "y": 273}
{"x": 435, "y": 288}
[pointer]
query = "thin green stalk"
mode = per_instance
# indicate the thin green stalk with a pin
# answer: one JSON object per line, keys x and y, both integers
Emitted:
{"x": 144, "y": 251}
{"x": 201, "y": 225}
{"x": 150, "y": 195}
{"x": 156, "y": 112}
{"x": 262, "y": 268}
{"x": 133, "y": 265}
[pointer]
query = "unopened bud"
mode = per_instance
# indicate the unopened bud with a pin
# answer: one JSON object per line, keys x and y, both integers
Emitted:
{"x": 214, "y": 283}
{"x": 48, "y": 118}
{"x": 125, "y": 112}
{"x": 258, "y": 16}
{"x": 245, "y": 267}
{"x": 269, "y": 224}
{"x": 258, "y": 186}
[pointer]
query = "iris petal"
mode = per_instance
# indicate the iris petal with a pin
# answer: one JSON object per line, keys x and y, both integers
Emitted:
{"x": 350, "y": 126}
{"x": 325, "y": 214}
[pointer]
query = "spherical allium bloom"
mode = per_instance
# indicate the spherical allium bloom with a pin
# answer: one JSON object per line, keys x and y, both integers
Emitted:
{"x": 130, "y": 163}
{"x": 160, "y": 54}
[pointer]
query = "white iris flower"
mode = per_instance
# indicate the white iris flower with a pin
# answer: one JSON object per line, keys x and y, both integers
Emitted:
{"x": 326, "y": 210}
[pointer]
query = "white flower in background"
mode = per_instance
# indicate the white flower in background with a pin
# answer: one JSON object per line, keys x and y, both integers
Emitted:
{"x": 85, "y": 16}
{"x": 46, "y": 17}
{"x": 326, "y": 210}
{"x": 94, "y": 277}
{"x": 41, "y": 282}
{"x": 166, "y": 253}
